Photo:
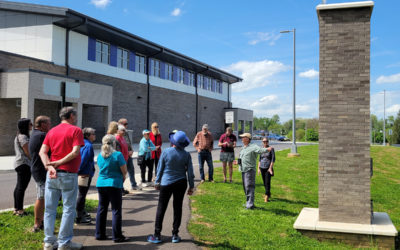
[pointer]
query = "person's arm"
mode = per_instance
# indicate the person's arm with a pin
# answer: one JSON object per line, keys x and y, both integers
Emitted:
{"x": 234, "y": 143}
{"x": 25, "y": 148}
{"x": 151, "y": 146}
{"x": 259, "y": 164}
{"x": 271, "y": 166}
{"x": 190, "y": 175}
{"x": 196, "y": 142}
{"x": 69, "y": 157}
{"x": 85, "y": 157}
{"x": 124, "y": 171}
{"x": 220, "y": 143}
{"x": 160, "y": 171}
{"x": 43, "y": 153}
{"x": 212, "y": 142}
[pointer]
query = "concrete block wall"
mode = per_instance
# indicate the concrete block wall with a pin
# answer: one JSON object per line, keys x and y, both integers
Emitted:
{"x": 344, "y": 115}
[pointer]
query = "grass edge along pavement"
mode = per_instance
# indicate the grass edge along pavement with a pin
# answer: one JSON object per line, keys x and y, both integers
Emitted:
{"x": 16, "y": 232}
{"x": 220, "y": 221}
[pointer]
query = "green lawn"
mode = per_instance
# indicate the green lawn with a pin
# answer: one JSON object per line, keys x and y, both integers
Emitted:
{"x": 220, "y": 220}
{"x": 16, "y": 232}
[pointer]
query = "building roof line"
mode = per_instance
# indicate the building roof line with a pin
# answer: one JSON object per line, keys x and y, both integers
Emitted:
{"x": 96, "y": 28}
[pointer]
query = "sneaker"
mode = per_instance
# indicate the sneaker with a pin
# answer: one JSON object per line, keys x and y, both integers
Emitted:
{"x": 87, "y": 215}
{"x": 136, "y": 188}
{"x": 50, "y": 246}
{"x": 83, "y": 220}
{"x": 176, "y": 238}
{"x": 202, "y": 181}
{"x": 121, "y": 239}
{"x": 71, "y": 246}
{"x": 212, "y": 181}
{"x": 154, "y": 239}
{"x": 124, "y": 192}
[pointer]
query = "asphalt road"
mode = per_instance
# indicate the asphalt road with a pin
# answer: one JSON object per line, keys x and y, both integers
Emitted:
{"x": 8, "y": 178}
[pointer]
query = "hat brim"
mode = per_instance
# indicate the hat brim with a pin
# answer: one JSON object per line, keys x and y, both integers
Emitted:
{"x": 183, "y": 144}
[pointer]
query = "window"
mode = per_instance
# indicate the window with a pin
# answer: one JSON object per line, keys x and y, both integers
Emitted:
{"x": 156, "y": 68}
{"x": 122, "y": 58}
{"x": 169, "y": 70}
{"x": 206, "y": 82}
{"x": 140, "y": 64}
{"x": 191, "y": 79}
{"x": 200, "y": 81}
{"x": 102, "y": 52}
{"x": 180, "y": 75}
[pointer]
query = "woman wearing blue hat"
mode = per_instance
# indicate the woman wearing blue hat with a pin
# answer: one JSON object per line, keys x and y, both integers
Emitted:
{"x": 144, "y": 156}
{"x": 174, "y": 170}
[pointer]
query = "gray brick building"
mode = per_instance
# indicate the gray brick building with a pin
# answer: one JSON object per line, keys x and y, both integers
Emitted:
{"x": 108, "y": 73}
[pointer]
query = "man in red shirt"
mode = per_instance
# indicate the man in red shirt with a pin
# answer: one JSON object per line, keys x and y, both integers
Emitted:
{"x": 227, "y": 142}
{"x": 64, "y": 142}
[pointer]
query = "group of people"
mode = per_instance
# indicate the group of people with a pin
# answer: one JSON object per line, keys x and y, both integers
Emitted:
{"x": 61, "y": 161}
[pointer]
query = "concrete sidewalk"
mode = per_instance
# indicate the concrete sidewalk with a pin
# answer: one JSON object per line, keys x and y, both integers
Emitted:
{"x": 138, "y": 217}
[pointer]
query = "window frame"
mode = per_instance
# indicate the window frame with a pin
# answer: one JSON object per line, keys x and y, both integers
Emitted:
{"x": 102, "y": 52}
{"x": 121, "y": 59}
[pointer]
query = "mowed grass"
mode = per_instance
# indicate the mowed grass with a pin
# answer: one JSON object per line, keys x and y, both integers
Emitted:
{"x": 16, "y": 232}
{"x": 220, "y": 221}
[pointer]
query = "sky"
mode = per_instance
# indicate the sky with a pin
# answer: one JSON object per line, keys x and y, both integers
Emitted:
{"x": 243, "y": 38}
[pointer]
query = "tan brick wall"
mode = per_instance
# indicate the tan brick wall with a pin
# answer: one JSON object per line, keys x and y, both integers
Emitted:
{"x": 344, "y": 115}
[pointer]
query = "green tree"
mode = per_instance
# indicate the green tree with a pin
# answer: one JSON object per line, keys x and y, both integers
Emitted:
{"x": 396, "y": 130}
{"x": 312, "y": 135}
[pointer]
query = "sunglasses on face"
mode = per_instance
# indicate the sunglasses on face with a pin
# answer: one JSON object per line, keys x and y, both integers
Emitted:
{"x": 155, "y": 126}
{"x": 265, "y": 141}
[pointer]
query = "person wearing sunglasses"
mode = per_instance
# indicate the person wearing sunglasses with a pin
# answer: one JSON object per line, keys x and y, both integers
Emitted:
{"x": 266, "y": 168}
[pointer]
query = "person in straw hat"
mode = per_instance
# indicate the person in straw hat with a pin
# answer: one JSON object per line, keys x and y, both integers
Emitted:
{"x": 248, "y": 165}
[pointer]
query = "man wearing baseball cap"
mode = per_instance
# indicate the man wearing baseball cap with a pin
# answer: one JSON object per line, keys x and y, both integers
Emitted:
{"x": 248, "y": 165}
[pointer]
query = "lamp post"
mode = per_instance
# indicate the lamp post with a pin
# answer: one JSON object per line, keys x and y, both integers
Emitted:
{"x": 384, "y": 117}
{"x": 294, "y": 146}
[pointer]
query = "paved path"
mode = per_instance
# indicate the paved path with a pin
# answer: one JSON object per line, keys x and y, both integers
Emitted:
{"x": 139, "y": 211}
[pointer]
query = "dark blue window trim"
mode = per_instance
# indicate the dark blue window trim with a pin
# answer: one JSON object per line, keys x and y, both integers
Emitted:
{"x": 132, "y": 60}
{"x": 92, "y": 49}
{"x": 113, "y": 55}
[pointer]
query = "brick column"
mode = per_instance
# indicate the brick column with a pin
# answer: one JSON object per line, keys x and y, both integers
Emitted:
{"x": 344, "y": 112}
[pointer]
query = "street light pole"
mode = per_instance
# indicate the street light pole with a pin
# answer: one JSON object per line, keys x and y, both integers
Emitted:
{"x": 384, "y": 117}
{"x": 294, "y": 146}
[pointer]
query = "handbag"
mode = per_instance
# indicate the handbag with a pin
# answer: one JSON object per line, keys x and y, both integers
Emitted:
{"x": 140, "y": 159}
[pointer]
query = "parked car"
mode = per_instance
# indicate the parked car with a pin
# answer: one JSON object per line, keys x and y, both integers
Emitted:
{"x": 276, "y": 137}
{"x": 257, "y": 137}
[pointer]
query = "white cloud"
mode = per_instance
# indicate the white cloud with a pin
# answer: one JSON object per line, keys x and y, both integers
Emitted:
{"x": 176, "y": 12}
{"x": 258, "y": 37}
{"x": 100, "y": 3}
{"x": 269, "y": 105}
{"x": 254, "y": 74}
{"x": 392, "y": 103}
{"x": 394, "y": 109}
{"x": 312, "y": 73}
{"x": 389, "y": 79}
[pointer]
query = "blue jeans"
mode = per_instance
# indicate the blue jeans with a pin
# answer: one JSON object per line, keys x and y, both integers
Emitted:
{"x": 65, "y": 185}
{"x": 205, "y": 155}
{"x": 131, "y": 172}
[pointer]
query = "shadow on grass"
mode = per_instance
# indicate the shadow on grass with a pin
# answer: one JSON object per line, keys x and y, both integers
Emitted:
{"x": 223, "y": 245}
{"x": 290, "y": 201}
{"x": 282, "y": 212}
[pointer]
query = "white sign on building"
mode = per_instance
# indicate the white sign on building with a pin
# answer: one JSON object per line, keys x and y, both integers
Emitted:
{"x": 229, "y": 117}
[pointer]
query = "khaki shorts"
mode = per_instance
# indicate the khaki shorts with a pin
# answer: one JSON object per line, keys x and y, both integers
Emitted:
{"x": 227, "y": 156}
{"x": 40, "y": 187}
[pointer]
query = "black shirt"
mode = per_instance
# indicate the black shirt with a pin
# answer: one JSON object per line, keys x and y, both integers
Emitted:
{"x": 37, "y": 168}
{"x": 267, "y": 158}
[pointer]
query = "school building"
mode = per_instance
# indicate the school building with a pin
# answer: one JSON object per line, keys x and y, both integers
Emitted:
{"x": 54, "y": 56}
